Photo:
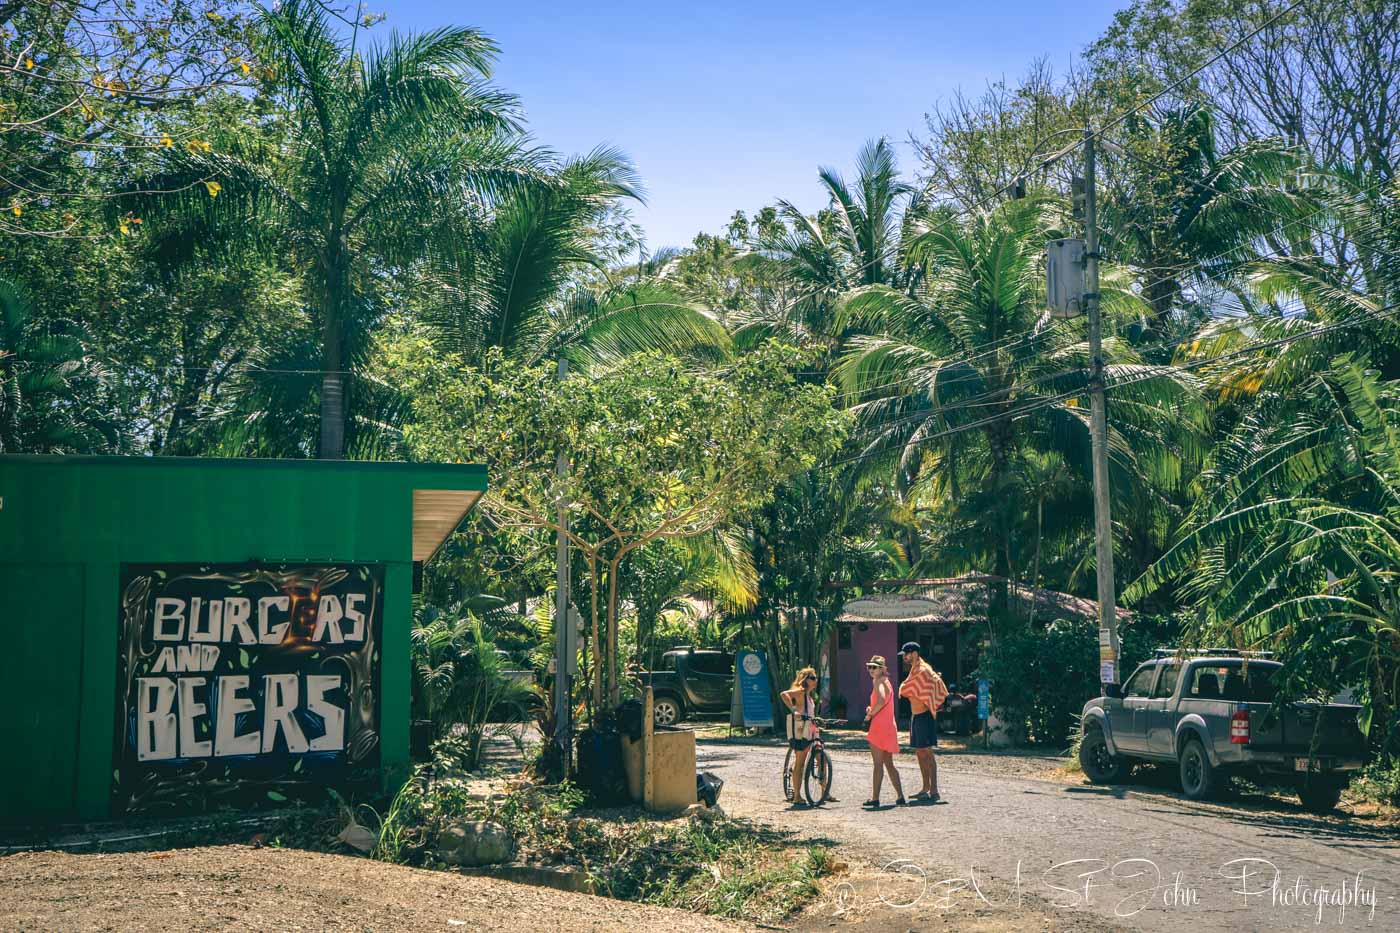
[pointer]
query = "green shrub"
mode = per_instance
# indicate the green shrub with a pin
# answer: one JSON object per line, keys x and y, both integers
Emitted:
{"x": 1041, "y": 678}
{"x": 459, "y": 681}
{"x": 1379, "y": 782}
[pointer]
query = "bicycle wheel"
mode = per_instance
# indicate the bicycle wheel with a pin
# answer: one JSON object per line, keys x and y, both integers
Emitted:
{"x": 789, "y": 793}
{"x": 816, "y": 783}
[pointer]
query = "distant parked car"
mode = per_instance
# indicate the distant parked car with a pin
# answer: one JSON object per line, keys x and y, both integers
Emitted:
{"x": 1214, "y": 716}
{"x": 690, "y": 681}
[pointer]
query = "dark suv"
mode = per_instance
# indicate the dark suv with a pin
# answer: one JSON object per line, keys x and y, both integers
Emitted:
{"x": 690, "y": 681}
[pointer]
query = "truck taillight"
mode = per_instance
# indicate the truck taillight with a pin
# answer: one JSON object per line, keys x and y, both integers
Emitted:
{"x": 1239, "y": 728}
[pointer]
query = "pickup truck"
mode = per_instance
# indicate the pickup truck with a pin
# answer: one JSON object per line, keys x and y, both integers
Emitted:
{"x": 690, "y": 681}
{"x": 1214, "y": 716}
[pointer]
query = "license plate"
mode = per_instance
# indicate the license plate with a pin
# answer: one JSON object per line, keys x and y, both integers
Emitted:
{"x": 1301, "y": 764}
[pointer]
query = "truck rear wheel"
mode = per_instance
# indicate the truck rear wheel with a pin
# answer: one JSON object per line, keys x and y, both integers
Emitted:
{"x": 666, "y": 711}
{"x": 1100, "y": 765}
{"x": 1320, "y": 795}
{"x": 1199, "y": 778}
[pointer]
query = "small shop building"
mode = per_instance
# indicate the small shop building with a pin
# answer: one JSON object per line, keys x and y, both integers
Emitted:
{"x": 186, "y": 634}
{"x": 948, "y": 620}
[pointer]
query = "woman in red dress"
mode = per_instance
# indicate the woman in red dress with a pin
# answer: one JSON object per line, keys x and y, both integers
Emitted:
{"x": 881, "y": 732}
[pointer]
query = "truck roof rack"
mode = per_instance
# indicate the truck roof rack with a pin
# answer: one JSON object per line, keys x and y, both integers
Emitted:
{"x": 1211, "y": 652}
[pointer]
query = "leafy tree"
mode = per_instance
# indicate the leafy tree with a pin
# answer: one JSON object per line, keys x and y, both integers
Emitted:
{"x": 83, "y": 81}
{"x": 51, "y": 392}
{"x": 383, "y": 147}
{"x": 657, "y": 451}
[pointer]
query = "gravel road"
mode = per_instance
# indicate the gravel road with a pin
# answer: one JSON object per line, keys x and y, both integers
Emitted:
{"x": 1129, "y": 857}
{"x": 242, "y": 888}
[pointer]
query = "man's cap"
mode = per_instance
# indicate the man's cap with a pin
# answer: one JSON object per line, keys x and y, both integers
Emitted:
{"x": 910, "y": 646}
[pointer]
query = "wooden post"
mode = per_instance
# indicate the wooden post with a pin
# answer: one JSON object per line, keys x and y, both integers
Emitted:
{"x": 648, "y": 784}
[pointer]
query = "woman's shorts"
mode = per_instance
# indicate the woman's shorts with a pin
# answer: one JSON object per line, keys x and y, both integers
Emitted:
{"x": 923, "y": 731}
{"x": 799, "y": 745}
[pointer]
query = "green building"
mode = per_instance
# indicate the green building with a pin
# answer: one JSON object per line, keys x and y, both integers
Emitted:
{"x": 199, "y": 632}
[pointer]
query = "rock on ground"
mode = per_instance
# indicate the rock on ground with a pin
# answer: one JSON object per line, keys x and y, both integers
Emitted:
{"x": 474, "y": 844}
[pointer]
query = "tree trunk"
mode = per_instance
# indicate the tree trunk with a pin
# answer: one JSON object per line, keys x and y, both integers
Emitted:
{"x": 1035, "y": 563}
{"x": 593, "y": 616}
{"x": 332, "y": 441}
{"x": 1000, "y": 444}
{"x": 614, "y": 688}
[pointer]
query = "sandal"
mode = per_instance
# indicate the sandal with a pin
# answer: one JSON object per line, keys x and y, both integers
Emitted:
{"x": 901, "y": 802}
{"x": 922, "y": 795}
{"x": 874, "y": 802}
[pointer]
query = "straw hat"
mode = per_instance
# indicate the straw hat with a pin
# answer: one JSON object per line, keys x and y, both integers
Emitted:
{"x": 876, "y": 660}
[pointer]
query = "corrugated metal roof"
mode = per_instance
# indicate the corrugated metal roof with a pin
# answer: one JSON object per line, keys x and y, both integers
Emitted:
{"x": 962, "y": 599}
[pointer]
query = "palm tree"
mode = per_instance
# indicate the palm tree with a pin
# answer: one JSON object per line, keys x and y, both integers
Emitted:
{"x": 854, "y": 241}
{"x": 1180, "y": 211}
{"x": 50, "y": 388}
{"x": 382, "y": 149}
{"x": 968, "y": 372}
{"x": 513, "y": 280}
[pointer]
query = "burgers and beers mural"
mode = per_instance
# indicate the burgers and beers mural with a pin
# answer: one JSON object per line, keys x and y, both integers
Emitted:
{"x": 238, "y": 684}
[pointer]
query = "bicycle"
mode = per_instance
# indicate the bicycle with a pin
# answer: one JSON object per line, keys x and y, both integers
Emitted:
{"x": 817, "y": 775}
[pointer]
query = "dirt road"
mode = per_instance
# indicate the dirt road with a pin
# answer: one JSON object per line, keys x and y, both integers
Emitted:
{"x": 1133, "y": 857}
{"x": 238, "y": 887}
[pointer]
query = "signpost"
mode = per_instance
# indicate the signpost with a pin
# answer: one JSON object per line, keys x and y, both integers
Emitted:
{"x": 984, "y": 706}
{"x": 756, "y": 705}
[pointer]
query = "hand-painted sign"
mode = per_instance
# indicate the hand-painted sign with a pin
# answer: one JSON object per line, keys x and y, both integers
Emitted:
{"x": 236, "y": 683}
{"x": 890, "y": 607}
{"x": 984, "y": 703}
{"x": 752, "y": 670}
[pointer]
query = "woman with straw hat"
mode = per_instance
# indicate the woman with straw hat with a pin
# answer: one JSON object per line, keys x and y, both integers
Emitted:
{"x": 881, "y": 732}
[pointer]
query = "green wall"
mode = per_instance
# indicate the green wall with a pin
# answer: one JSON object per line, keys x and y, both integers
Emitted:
{"x": 68, "y": 523}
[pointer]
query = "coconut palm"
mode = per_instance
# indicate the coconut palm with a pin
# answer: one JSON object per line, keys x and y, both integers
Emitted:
{"x": 968, "y": 371}
{"x": 855, "y": 240}
{"x": 1183, "y": 213}
{"x": 381, "y": 150}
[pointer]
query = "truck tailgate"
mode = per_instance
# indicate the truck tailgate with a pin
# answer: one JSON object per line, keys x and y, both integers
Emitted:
{"x": 1335, "y": 727}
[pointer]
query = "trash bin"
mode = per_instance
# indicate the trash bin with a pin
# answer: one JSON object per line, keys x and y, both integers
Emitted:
{"x": 600, "y": 770}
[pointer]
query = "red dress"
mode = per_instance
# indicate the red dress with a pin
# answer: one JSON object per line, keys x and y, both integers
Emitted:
{"x": 883, "y": 734}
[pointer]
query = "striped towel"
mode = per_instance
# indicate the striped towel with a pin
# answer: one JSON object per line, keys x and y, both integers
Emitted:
{"x": 924, "y": 684}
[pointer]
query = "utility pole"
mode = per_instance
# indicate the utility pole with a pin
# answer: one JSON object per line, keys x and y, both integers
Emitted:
{"x": 563, "y": 643}
{"x": 1098, "y": 429}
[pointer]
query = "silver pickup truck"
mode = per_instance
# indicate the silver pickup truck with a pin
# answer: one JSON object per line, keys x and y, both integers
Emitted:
{"x": 1214, "y": 716}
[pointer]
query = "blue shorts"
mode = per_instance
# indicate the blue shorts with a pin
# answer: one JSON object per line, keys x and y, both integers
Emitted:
{"x": 923, "y": 731}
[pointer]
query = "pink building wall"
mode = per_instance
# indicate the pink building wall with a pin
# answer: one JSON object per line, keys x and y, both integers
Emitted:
{"x": 852, "y": 681}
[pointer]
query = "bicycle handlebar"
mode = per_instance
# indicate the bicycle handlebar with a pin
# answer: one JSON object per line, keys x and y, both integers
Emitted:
{"x": 818, "y": 720}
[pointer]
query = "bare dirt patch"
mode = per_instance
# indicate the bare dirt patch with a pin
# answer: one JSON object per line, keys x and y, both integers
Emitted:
{"x": 223, "y": 887}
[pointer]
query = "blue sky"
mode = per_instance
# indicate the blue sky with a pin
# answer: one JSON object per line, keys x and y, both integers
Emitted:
{"x": 726, "y": 105}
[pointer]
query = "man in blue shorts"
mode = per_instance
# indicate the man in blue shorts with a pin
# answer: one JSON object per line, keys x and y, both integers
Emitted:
{"x": 926, "y": 692}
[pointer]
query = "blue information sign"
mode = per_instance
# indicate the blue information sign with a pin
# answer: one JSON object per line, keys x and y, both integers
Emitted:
{"x": 983, "y": 699}
{"x": 751, "y": 667}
